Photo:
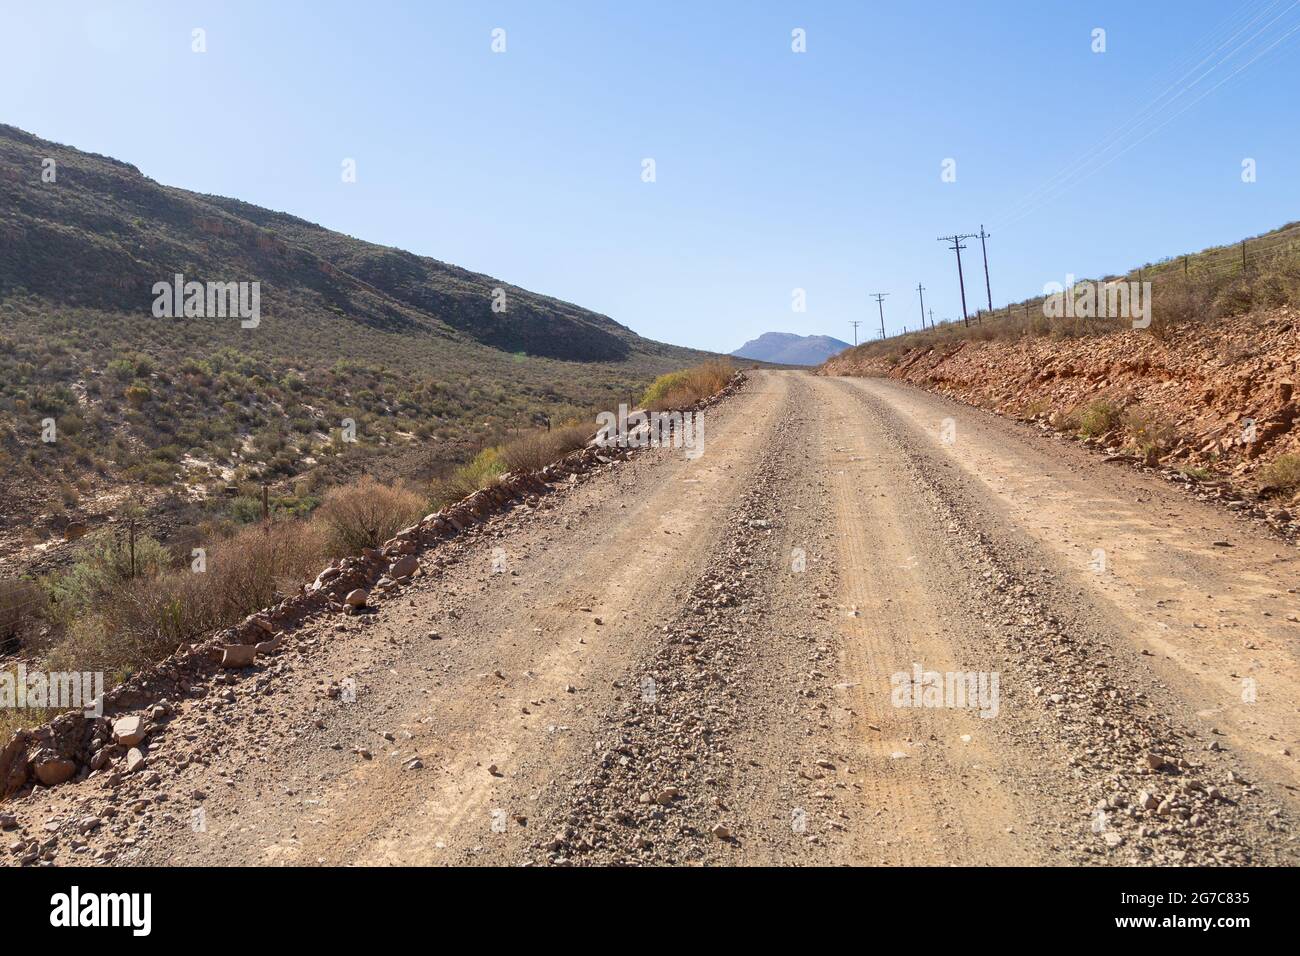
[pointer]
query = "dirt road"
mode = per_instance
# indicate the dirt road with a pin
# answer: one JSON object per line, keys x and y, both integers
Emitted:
{"x": 723, "y": 661}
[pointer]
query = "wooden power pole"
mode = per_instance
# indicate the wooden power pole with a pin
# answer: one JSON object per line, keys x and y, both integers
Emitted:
{"x": 880, "y": 301}
{"x": 985, "y": 249}
{"x": 957, "y": 247}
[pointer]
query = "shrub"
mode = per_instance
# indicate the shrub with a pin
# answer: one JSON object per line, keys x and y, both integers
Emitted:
{"x": 538, "y": 449}
{"x": 1098, "y": 418}
{"x": 365, "y": 514}
{"x": 22, "y": 606}
{"x": 104, "y": 568}
{"x": 1180, "y": 302}
{"x": 137, "y": 395}
{"x": 1282, "y": 473}
{"x": 250, "y": 570}
{"x": 143, "y": 620}
{"x": 679, "y": 389}
{"x": 467, "y": 479}
{"x": 1150, "y": 433}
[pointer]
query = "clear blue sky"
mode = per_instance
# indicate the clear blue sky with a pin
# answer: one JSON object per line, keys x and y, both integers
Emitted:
{"x": 775, "y": 170}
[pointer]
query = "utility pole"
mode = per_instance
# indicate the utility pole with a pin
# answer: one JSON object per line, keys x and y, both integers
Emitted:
{"x": 920, "y": 290}
{"x": 880, "y": 301}
{"x": 985, "y": 249}
{"x": 932, "y": 318}
{"x": 957, "y": 247}
{"x": 855, "y": 325}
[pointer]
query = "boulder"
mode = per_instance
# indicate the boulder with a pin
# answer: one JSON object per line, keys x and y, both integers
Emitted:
{"x": 404, "y": 566}
{"x": 128, "y": 731}
{"x": 135, "y": 760}
{"x": 356, "y": 597}
{"x": 52, "y": 769}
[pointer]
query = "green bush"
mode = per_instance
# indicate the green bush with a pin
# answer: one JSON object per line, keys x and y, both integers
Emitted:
{"x": 103, "y": 568}
{"x": 1098, "y": 418}
{"x": 482, "y": 471}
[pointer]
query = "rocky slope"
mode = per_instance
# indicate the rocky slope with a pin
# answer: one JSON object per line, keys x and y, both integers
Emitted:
{"x": 1217, "y": 398}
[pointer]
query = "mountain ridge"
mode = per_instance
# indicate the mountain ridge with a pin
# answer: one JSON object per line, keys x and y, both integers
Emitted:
{"x": 787, "y": 348}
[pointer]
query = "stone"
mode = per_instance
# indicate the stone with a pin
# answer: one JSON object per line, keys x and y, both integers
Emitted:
{"x": 135, "y": 760}
{"x": 53, "y": 770}
{"x": 721, "y": 831}
{"x": 129, "y": 730}
{"x": 404, "y": 567}
{"x": 238, "y": 655}
{"x": 357, "y": 597}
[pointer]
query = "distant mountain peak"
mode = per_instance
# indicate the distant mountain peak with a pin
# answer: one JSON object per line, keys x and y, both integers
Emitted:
{"x": 787, "y": 348}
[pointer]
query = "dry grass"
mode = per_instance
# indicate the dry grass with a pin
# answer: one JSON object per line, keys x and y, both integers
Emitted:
{"x": 1211, "y": 285}
{"x": 365, "y": 514}
{"x": 1282, "y": 473}
{"x": 145, "y": 619}
{"x": 1152, "y": 435}
{"x": 678, "y": 390}
{"x": 23, "y": 605}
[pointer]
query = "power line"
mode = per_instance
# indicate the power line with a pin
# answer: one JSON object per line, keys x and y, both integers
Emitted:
{"x": 1079, "y": 166}
{"x": 1065, "y": 182}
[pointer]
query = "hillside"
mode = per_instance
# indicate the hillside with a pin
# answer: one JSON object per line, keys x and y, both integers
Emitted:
{"x": 1207, "y": 388}
{"x": 408, "y": 348}
{"x": 786, "y": 348}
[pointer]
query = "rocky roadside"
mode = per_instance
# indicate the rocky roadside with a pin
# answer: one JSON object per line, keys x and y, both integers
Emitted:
{"x": 1222, "y": 399}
